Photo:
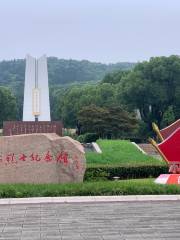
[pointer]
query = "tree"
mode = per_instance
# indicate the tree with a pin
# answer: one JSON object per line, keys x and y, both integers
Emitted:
{"x": 110, "y": 122}
{"x": 69, "y": 103}
{"x": 168, "y": 117}
{"x": 8, "y": 108}
{"x": 115, "y": 77}
{"x": 152, "y": 87}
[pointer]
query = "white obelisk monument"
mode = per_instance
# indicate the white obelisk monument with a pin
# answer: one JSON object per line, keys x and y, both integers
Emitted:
{"x": 36, "y": 90}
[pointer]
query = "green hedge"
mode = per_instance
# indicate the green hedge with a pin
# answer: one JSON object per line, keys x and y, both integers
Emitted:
{"x": 123, "y": 172}
{"x": 87, "y": 137}
{"x": 123, "y": 187}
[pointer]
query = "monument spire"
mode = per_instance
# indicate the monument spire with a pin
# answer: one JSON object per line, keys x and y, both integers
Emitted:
{"x": 36, "y": 90}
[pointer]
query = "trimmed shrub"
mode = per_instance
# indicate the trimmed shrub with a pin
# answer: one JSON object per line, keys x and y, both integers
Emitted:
{"x": 88, "y": 138}
{"x": 95, "y": 173}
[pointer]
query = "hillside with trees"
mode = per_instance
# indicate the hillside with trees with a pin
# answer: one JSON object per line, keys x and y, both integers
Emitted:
{"x": 151, "y": 88}
{"x": 60, "y": 71}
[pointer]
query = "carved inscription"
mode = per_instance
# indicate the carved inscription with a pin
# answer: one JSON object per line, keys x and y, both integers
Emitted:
{"x": 61, "y": 158}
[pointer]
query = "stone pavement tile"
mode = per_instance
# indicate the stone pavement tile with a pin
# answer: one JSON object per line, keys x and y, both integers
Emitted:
{"x": 136, "y": 237}
{"x": 52, "y": 238}
{"x": 10, "y": 234}
{"x": 14, "y": 231}
{"x": 10, "y": 238}
{"x": 170, "y": 235}
{"x": 157, "y": 238}
{"x": 85, "y": 233}
{"x": 71, "y": 232}
{"x": 49, "y": 228}
{"x": 111, "y": 232}
{"x": 31, "y": 234}
{"x": 49, "y": 224}
{"x": 72, "y": 238}
{"x": 92, "y": 238}
{"x": 12, "y": 225}
{"x": 50, "y": 233}
{"x": 113, "y": 237}
{"x": 31, "y": 229}
{"x": 30, "y": 238}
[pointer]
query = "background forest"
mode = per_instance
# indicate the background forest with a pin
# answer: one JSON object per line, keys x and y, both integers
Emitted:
{"x": 114, "y": 101}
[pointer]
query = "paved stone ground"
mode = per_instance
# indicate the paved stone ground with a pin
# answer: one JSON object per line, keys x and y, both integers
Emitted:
{"x": 91, "y": 221}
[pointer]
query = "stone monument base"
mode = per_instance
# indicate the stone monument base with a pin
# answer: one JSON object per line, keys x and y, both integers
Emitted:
{"x": 168, "y": 179}
{"x": 41, "y": 158}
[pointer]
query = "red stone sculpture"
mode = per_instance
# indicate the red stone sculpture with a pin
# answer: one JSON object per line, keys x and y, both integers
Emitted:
{"x": 167, "y": 131}
{"x": 169, "y": 149}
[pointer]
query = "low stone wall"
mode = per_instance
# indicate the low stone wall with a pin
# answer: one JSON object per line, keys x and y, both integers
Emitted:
{"x": 29, "y": 127}
{"x": 41, "y": 158}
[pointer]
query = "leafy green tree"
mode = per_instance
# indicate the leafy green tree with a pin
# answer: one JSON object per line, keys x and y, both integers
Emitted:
{"x": 8, "y": 107}
{"x": 71, "y": 101}
{"x": 112, "y": 122}
{"x": 115, "y": 77}
{"x": 168, "y": 117}
{"x": 152, "y": 87}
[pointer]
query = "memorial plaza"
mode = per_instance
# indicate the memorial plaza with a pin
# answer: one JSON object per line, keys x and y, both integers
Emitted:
{"x": 90, "y": 218}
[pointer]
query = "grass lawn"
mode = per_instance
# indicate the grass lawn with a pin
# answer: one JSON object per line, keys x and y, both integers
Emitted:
{"x": 120, "y": 152}
{"x": 123, "y": 187}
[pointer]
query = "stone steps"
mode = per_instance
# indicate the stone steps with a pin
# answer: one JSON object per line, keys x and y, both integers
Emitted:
{"x": 149, "y": 149}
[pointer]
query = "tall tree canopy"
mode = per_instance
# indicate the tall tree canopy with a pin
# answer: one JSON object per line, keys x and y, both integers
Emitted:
{"x": 115, "y": 77}
{"x": 152, "y": 87}
{"x": 69, "y": 102}
{"x": 8, "y": 108}
{"x": 107, "y": 121}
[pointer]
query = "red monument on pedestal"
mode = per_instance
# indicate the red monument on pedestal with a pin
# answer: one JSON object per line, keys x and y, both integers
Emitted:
{"x": 169, "y": 149}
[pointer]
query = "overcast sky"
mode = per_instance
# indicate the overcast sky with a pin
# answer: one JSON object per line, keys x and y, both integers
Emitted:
{"x": 97, "y": 30}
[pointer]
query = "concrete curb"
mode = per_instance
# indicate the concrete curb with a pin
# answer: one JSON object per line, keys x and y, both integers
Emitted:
{"x": 89, "y": 199}
{"x": 96, "y": 147}
{"x": 139, "y": 148}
